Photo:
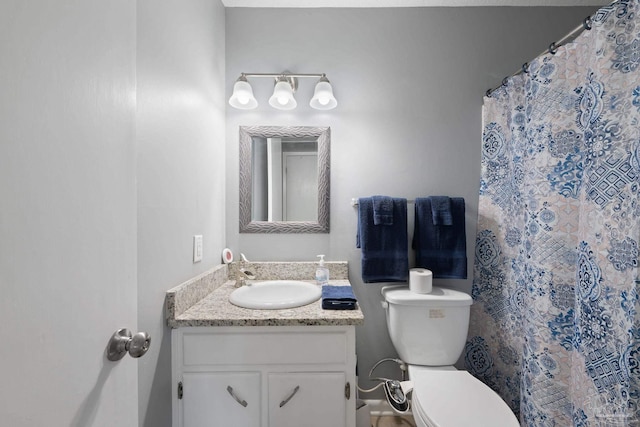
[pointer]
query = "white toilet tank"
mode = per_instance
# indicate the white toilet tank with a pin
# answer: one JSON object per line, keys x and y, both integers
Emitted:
{"x": 427, "y": 329}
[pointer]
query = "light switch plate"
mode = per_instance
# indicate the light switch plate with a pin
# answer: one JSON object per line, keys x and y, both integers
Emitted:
{"x": 197, "y": 248}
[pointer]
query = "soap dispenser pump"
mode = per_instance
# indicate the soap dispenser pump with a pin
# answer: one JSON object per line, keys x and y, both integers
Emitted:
{"x": 322, "y": 272}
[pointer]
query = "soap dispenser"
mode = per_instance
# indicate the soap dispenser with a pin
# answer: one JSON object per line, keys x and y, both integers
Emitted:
{"x": 322, "y": 272}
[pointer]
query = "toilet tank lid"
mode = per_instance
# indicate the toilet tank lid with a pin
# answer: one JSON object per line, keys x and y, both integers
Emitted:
{"x": 439, "y": 297}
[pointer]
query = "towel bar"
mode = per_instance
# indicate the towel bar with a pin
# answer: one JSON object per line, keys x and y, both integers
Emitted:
{"x": 354, "y": 202}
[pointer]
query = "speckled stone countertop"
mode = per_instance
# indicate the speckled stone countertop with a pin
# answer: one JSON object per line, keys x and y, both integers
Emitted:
{"x": 214, "y": 309}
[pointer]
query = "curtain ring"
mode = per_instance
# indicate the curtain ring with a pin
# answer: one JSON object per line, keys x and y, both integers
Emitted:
{"x": 586, "y": 24}
{"x": 505, "y": 81}
{"x": 553, "y": 48}
{"x": 488, "y": 93}
{"x": 525, "y": 68}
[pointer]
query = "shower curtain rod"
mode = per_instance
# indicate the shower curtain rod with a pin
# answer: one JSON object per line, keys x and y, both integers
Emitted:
{"x": 553, "y": 48}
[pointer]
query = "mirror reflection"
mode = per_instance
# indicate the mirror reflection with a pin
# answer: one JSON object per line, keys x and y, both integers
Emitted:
{"x": 284, "y": 179}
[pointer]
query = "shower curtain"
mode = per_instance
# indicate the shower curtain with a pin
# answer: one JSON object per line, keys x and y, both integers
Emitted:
{"x": 555, "y": 327}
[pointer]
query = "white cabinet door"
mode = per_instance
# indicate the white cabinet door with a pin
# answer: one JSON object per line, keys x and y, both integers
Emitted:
{"x": 221, "y": 399}
{"x": 309, "y": 399}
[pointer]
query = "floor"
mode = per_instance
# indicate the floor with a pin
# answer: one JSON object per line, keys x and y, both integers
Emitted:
{"x": 392, "y": 421}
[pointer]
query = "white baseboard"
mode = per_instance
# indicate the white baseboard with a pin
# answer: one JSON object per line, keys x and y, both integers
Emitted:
{"x": 380, "y": 407}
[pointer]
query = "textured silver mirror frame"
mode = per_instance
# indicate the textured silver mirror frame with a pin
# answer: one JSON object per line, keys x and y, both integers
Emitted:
{"x": 324, "y": 182}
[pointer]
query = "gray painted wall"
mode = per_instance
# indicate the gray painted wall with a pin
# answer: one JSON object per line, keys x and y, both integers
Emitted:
{"x": 409, "y": 83}
{"x": 181, "y": 163}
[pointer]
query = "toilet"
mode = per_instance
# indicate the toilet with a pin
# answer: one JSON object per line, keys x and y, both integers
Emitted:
{"x": 429, "y": 332}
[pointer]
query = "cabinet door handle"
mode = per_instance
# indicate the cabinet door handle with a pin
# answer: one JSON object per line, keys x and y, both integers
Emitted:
{"x": 240, "y": 401}
{"x": 284, "y": 402}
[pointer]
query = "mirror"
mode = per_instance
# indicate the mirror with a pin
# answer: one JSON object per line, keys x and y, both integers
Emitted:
{"x": 284, "y": 179}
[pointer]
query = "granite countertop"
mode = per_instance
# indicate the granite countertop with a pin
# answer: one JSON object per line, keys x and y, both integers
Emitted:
{"x": 216, "y": 310}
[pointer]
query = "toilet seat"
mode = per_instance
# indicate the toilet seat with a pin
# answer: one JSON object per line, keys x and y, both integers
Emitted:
{"x": 451, "y": 398}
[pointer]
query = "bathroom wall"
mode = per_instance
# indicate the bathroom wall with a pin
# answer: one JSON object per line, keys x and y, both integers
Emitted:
{"x": 409, "y": 83}
{"x": 181, "y": 169}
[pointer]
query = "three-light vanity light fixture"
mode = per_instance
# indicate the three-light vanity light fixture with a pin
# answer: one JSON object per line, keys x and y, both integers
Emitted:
{"x": 285, "y": 86}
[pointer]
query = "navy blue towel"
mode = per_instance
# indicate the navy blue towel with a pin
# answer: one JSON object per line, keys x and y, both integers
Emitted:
{"x": 441, "y": 248}
{"x": 441, "y": 210}
{"x": 385, "y": 253}
{"x": 338, "y": 298}
{"x": 382, "y": 210}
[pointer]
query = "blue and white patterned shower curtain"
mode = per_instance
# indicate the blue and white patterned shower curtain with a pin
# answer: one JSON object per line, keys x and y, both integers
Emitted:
{"x": 555, "y": 328}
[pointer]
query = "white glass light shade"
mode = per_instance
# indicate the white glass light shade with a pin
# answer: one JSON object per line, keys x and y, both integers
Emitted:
{"x": 242, "y": 97}
{"x": 282, "y": 97}
{"x": 323, "y": 98}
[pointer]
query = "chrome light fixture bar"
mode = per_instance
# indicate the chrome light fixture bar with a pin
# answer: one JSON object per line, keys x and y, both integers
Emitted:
{"x": 286, "y": 85}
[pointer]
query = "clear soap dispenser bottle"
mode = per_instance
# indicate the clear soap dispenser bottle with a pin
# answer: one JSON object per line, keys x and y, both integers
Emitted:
{"x": 322, "y": 272}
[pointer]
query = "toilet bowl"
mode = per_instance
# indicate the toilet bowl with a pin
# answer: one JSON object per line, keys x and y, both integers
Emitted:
{"x": 451, "y": 398}
{"x": 429, "y": 332}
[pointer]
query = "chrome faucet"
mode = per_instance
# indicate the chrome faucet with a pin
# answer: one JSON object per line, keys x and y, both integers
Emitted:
{"x": 242, "y": 277}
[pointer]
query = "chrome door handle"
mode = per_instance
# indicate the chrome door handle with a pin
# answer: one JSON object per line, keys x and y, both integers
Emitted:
{"x": 123, "y": 341}
{"x": 240, "y": 401}
{"x": 293, "y": 393}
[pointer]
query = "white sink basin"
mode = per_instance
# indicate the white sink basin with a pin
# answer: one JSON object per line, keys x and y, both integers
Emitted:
{"x": 275, "y": 294}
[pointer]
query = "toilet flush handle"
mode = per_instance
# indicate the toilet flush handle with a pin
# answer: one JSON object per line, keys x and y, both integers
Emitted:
{"x": 123, "y": 341}
{"x": 384, "y": 304}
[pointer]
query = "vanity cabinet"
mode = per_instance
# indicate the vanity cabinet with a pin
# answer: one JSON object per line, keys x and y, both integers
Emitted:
{"x": 264, "y": 376}
{"x": 210, "y": 400}
{"x": 316, "y": 397}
